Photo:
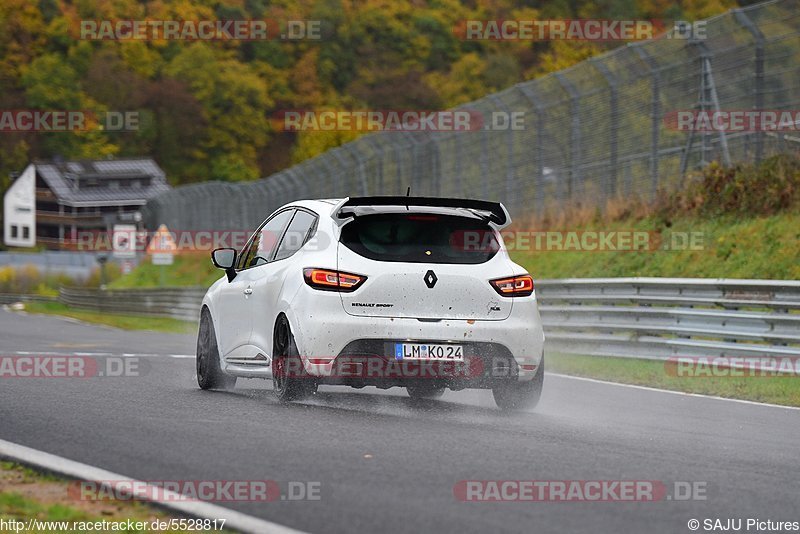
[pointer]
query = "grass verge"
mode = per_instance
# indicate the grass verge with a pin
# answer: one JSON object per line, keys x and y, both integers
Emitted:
{"x": 26, "y": 494}
{"x": 765, "y": 247}
{"x": 125, "y": 322}
{"x": 783, "y": 390}
{"x": 186, "y": 270}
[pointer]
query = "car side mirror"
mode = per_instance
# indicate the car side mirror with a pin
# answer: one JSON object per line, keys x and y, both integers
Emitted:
{"x": 225, "y": 258}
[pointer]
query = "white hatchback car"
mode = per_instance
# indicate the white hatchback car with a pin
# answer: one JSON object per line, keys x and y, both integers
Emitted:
{"x": 375, "y": 291}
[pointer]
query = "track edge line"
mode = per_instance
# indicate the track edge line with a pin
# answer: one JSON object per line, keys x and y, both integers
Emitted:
{"x": 79, "y": 471}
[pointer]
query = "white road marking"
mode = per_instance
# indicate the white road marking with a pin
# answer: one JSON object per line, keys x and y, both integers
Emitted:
{"x": 671, "y": 392}
{"x": 76, "y": 470}
{"x": 101, "y": 354}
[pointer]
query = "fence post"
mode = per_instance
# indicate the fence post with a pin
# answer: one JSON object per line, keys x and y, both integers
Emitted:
{"x": 436, "y": 164}
{"x": 575, "y": 137}
{"x": 358, "y": 167}
{"x": 511, "y": 195}
{"x": 528, "y": 91}
{"x": 377, "y": 155}
{"x": 611, "y": 80}
{"x": 655, "y": 113}
{"x": 758, "y": 37}
{"x": 457, "y": 164}
{"x": 484, "y": 161}
{"x": 342, "y": 168}
{"x": 708, "y": 98}
{"x": 412, "y": 177}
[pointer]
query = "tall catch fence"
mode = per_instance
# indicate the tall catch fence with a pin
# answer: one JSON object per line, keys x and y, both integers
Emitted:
{"x": 590, "y": 133}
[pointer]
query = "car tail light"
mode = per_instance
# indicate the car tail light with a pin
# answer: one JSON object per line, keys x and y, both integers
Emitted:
{"x": 515, "y": 286}
{"x": 328, "y": 280}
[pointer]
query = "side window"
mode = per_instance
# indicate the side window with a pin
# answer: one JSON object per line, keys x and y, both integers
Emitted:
{"x": 265, "y": 241}
{"x": 296, "y": 235}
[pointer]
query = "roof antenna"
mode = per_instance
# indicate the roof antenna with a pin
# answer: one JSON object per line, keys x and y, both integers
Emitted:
{"x": 408, "y": 194}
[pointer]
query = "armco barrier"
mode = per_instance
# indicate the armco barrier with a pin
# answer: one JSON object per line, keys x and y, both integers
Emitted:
{"x": 11, "y": 298}
{"x": 657, "y": 318}
{"x": 180, "y": 303}
{"x": 652, "y": 318}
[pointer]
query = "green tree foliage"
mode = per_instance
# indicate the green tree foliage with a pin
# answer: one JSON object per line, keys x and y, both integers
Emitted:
{"x": 206, "y": 108}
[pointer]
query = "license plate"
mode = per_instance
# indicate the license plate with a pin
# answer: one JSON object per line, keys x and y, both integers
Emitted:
{"x": 428, "y": 351}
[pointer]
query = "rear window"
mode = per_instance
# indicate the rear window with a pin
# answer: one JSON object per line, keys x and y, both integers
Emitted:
{"x": 420, "y": 238}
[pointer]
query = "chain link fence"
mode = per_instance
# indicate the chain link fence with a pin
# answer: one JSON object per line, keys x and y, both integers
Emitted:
{"x": 592, "y": 132}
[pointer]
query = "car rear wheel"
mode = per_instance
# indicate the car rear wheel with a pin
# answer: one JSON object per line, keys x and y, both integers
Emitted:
{"x": 511, "y": 395}
{"x": 290, "y": 381}
{"x": 424, "y": 392}
{"x": 209, "y": 373}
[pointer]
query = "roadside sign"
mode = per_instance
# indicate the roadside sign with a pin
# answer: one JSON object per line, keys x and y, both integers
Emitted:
{"x": 162, "y": 258}
{"x": 162, "y": 247}
{"x": 123, "y": 241}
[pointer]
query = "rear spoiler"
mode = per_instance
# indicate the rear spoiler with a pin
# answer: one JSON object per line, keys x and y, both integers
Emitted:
{"x": 494, "y": 212}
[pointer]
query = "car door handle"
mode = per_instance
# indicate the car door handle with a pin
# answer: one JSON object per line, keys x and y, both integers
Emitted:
{"x": 248, "y": 291}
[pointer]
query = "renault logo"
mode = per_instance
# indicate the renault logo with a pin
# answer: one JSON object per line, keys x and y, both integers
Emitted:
{"x": 430, "y": 279}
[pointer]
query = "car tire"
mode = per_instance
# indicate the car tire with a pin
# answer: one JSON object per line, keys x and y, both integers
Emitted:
{"x": 424, "y": 392}
{"x": 290, "y": 381}
{"x": 511, "y": 395}
{"x": 209, "y": 373}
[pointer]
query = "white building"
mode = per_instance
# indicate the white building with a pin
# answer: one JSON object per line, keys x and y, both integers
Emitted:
{"x": 50, "y": 202}
{"x": 19, "y": 210}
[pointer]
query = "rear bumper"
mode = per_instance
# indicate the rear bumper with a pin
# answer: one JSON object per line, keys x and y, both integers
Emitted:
{"x": 370, "y": 362}
{"x": 328, "y": 337}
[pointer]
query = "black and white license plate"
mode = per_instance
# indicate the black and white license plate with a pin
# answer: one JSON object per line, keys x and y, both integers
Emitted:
{"x": 428, "y": 351}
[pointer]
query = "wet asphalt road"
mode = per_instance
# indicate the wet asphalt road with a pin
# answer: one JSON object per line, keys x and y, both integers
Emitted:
{"x": 385, "y": 464}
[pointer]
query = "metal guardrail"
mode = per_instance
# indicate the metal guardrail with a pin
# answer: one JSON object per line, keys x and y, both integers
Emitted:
{"x": 659, "y": 318}
{"x": 179, "y": 303}
{"x": 11, "y": 298}
{"x": 649, "y": 318}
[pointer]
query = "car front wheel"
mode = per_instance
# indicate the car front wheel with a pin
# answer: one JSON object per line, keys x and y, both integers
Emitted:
{"x": 209, "y": 373}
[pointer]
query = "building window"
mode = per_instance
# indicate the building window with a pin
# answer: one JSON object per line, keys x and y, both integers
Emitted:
{"x": 14, "y": 231}
{"x": 26, "y": 232}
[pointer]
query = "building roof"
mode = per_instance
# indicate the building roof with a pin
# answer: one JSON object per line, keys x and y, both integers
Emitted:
{"x": 103, "y": 182}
